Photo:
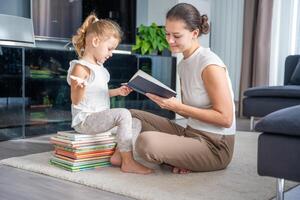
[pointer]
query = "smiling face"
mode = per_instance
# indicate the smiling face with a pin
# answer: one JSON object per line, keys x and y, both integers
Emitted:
{"x": 179, "y": 37}
{"x": 103, "y": 48}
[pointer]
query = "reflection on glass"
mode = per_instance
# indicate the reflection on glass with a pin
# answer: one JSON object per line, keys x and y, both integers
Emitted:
{"x": 11, "y": 101}
{"x": 47, "y": 90}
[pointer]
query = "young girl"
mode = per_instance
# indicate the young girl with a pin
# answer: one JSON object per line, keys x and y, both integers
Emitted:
{"x": 94, "y": 42}
{"x": 206, "y": 144}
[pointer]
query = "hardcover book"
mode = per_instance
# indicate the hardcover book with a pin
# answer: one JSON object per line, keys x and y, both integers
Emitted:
{"x": 144, "y": 83}
{"x": 73, "y": 135}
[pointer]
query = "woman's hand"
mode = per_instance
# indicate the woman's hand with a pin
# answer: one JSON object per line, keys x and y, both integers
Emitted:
{"x": 170, "y": 104}
{"x": 124, "y": 90}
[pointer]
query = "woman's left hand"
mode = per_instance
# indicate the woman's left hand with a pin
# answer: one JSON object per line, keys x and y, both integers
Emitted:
{"x": 169, "y": 104}
{"x": 124, "y": 90}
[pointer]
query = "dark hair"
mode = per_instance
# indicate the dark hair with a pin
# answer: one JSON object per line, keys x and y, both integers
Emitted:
{"x": 191, "y": 17}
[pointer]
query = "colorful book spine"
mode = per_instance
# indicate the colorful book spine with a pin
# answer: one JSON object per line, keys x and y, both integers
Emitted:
{"x": 78, "y": 152}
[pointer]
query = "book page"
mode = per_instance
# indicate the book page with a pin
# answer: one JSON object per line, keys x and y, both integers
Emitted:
{"x": 151, "y": 79}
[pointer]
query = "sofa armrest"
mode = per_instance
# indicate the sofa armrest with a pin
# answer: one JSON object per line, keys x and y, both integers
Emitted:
{"x": 284, "y": 122}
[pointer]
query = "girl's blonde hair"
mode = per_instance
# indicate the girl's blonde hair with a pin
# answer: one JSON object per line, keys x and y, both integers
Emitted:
{"x": 104, "y": 28}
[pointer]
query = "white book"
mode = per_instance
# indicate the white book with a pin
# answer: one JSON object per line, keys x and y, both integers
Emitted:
{"x": 73, "y": 135}
{"x": 144, "y": 83}
{"x": 91, "y": 141}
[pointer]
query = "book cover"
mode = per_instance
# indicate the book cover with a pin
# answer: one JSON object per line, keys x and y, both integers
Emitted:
{"x": 87, "y": 148}
{"x": 80, "y": 145}
{"x": 144, "y": 83}
{"x": 80, "y": 168}
{"x": 81, "y": 163}
{"x": 86, "y": 152}
{"x": 81, "y": 159}
{"x": 88, "y": 140}
{"x": 73, "y": 135}
{"x": 88, "y": 155}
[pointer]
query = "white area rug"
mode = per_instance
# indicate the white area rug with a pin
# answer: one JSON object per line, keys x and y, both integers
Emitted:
{"x": 238, "y": 181}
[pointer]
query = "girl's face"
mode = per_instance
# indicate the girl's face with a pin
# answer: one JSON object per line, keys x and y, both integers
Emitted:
{"x": 103, "y": 48}
{"x": 178, "y": 36}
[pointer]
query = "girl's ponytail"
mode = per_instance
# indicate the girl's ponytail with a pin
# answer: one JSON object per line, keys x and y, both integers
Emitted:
{"x": 78, "y": 39}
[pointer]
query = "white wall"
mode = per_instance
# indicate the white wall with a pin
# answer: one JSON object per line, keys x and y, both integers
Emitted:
{"x": 157, "y": 10}
{"x": 149, "y": 11}
{"x": 141, "y": 12}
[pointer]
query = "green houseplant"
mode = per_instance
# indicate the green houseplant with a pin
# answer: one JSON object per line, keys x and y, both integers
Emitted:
{"x": 150, "y": 39}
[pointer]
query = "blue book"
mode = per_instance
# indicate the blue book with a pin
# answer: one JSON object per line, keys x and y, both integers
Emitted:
{"x": 142, "y": 82}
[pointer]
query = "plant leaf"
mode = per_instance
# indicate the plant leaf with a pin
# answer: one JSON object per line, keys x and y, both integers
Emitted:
{"x": 150, "y": 39}
{"x": 145, "y": 47}
{"x": 152, "y": 33}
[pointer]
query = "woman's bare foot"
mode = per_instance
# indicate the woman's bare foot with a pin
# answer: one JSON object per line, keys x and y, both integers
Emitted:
{"x": 116, "y": 159}
{"x": 177, "y": 170}
{"x": 129, "y": 165}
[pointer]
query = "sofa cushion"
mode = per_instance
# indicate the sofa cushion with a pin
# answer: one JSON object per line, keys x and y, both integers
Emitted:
{"x": 295, "y": 78}
{"x": 262, "y": 106}
{"x": 284, "y": 122}
{"x": 290, "y": 91}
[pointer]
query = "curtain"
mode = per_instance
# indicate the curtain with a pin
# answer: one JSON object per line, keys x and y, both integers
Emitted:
{"x": 256, "y": 45}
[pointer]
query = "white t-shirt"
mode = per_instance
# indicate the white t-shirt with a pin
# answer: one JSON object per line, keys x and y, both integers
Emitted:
{"x": 193, "y": 89}
{"x": 96, "y": 97}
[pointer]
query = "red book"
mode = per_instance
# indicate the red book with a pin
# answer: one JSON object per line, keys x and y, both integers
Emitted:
{"x": 84, "y": 155}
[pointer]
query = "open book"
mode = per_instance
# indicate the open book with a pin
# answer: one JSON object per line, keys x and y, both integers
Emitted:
{"x": 144, "y": 83}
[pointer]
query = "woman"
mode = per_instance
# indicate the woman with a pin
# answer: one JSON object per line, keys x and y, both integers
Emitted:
{"x": 206, "y": 144}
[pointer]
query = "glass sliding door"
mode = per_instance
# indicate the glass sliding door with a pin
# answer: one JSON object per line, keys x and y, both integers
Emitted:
{"x": 49, "y": 106}
{"x": 11, "y": 100}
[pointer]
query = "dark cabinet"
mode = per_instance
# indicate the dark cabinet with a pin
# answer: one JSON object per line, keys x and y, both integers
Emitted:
{"x": 121, "y": 11}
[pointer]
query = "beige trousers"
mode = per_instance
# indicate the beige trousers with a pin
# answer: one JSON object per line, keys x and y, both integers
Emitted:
{"x": 163, "y": 141}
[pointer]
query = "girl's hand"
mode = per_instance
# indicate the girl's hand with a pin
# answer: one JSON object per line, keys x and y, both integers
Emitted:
{"x": 124, "y": 90}
{"x": 170, "y": 104}
{"x": 79, "y": 81}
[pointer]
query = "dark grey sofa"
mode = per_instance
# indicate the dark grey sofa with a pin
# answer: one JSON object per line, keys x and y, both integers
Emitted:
{"x": 279, "y": 146}
{"x": 260, "y": 101}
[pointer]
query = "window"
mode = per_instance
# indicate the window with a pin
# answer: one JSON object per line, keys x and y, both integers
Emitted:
{"x": 285, "y": 37}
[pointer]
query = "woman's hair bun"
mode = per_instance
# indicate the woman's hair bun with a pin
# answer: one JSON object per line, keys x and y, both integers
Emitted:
{"x": 204, "y": 25}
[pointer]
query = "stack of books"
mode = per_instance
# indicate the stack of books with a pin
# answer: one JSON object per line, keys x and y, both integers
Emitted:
{"x": 77, "y": 152}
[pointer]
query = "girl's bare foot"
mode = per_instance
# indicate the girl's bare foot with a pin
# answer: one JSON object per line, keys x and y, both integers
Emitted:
{"x": 135, "y": 167}
{"x": 116, "y": 159}
{"x": 129, "y": 165}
